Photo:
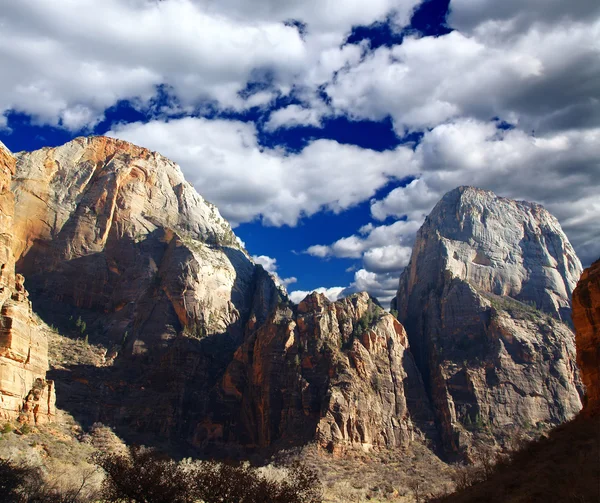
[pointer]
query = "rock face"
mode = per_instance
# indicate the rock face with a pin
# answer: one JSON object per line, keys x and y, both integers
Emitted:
{"x": 114, "y": 230}
{"x": 104, "y": 225}
{"x": 483, "y": 301}
{"x": 338, "y": 372}
{"x": 205, "y": 348}
{"x": 586, "y": 317}
{"x": 24, "y": 392}
{"x": 209, "y": 349}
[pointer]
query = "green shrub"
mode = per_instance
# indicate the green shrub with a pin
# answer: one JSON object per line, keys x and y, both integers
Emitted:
{"x": 26, "y": 429}
{"x": 146, "y": 476}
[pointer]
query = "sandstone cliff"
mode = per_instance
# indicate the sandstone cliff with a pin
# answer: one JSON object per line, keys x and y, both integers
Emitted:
{"x": 586, "y": 317}
{"x": 483, "y": 301}
{"x": 204, "y": 347}
{"x": 338, "y": 372}
{"x": 24, "y": 392}
{"x": 207, "y": 348}
{"x": 108, "y": 226}
{"x": 115, "y": 233}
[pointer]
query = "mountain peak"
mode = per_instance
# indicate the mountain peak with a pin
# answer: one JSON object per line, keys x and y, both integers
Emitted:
{"x": 505, "y": 247}
{"x": 483, "y": 299}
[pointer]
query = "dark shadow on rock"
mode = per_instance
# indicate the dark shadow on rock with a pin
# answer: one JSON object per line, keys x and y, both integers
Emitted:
{"x": 157, "y": 399}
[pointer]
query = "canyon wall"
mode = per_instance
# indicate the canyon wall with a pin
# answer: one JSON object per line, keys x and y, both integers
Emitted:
{"x": 586, "y": 317}
{"x": 207, "y": 348}
{"x": 485, "y": 300}
{"x": 25, "y": 394}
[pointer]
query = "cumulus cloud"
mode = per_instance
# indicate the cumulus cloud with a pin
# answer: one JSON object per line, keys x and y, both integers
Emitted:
{"x": 534, "y": 79}
{"x": 293, "y": 116}
{"x": 386, "y": 247}
{"x": 334, "y": 293}
{"x": 71, "y": 60}
{"x": 559, "y": 170}
{"x": 535, "y": 65}
{"x": 270, "y": 265}
{"x": 516, "y": 15}
{"x": 223, "y": 160}
{"x": 384, "y": 250}
{"x": 413, "y": 201}
{"x": 382, "y": 286}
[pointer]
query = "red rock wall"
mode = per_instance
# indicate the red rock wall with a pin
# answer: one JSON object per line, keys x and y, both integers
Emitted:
{"x": 586, "y": 318}
{"x": 24, "y": 392}
{"x": 317, "y": 375}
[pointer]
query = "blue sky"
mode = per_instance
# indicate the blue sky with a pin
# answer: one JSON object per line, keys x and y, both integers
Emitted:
{"x": 324, "y": 130}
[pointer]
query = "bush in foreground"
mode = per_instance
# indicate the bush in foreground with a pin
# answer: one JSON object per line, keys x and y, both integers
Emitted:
{"x": 25, "y": 484}
{"x": 144, "y": 476}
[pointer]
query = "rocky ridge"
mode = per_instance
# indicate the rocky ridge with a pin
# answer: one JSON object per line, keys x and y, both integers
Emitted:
{"x": 484, "y": 300}
{"x": 105, "y": 225}
{"x": 25, "y": 394}
{"x": 338, "y": 372}
{"x": 586, "y": 317}
{"x": 204, "y": 346}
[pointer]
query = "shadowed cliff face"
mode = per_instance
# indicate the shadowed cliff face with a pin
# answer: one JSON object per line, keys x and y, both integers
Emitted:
{"x": 338, "y": 372}
{"x": 483, "y": 299}
{"x": 24, "y": 392}
{"x": 205, "y": 347}
{"x": 586, "y": 318}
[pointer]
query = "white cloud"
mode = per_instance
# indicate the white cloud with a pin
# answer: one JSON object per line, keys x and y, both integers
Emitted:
{"x": 333, "y": 293}
{"x": 382, "y": 286}
{"x": 319, "y": 251}
{"x": 270, "y": 265}
{"x": 535, "y": 64}
{"x": 389, "y": 258}
{"x": 385, "y": 250}
{"x": 559, "y": 170}
{"x": 542, "y": 78}
{"x": 415, "y": 200}
{"x": 71, "y": 60}
{"x": 289, "y": 281}
{"x": 223, "y": 160}
{"x": 516, "y": 15}
{"x": 293, "y": 116}
{"x": 390, "y": 243}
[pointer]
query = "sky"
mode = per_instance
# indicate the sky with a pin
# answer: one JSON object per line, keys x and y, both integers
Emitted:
{"x": 324, "y": 130}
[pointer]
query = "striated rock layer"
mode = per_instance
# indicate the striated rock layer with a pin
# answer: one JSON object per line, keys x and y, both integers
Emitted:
{"x": 105, "y": 225}
{"x": 483, "y": 300}
{"x": 113, "y": 229}
{"x": 586, "y": 317}
{"x": 24, "y": 392}
{"x": 207, "y": 348}
{"x": 338, "y": 372}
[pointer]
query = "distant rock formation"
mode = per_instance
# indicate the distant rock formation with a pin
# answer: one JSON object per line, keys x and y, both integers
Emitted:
{"x": 205, "y": 348}
{"x": 24, "y": 392}
{"x": 105, "y": 225}
{"x": 586, "y": 317}
{"x": 338, "y": 372}
{"x": 485, "y": 300}
{"x": 211, "y": 351}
